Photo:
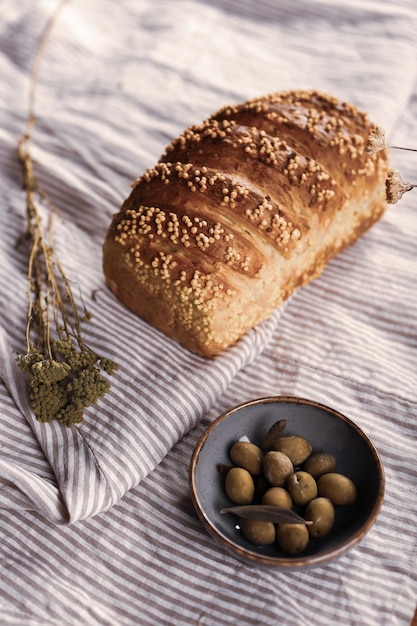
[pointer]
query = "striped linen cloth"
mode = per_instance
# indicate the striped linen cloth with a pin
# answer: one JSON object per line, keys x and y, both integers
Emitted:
{"x": 97, "y": 526}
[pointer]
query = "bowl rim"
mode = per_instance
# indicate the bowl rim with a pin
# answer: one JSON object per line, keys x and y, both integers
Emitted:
{"x": 297, "y": 561}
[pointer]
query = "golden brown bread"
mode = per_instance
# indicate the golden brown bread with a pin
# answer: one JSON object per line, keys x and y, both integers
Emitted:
{"x": 239, "y": 212}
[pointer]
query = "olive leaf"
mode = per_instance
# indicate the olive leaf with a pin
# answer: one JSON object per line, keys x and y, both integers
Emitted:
{"x": 266, "y": 513}
{"x": 223, "y": 469}
{"x": 273, "y": 434}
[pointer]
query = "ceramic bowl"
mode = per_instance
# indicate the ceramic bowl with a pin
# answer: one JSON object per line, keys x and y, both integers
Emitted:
{"x": 328, "y": 431}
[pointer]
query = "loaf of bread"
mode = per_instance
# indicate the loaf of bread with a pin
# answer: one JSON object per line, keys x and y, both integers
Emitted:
{"x": 239, "y": 212}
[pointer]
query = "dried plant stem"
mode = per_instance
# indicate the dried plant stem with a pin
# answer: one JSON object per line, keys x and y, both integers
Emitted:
{"x": 402, "y": 148}
{"x": 32, "y": 186}
{"x": 37, "y": 62}
{"x": 64, "y": 374}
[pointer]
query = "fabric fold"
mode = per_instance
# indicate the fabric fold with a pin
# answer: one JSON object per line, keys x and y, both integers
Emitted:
{"x": 125, "y": 436}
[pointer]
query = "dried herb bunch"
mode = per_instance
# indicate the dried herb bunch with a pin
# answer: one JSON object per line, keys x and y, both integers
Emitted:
{"x": 65, "y": 375}
{"x": 395, "y": 184}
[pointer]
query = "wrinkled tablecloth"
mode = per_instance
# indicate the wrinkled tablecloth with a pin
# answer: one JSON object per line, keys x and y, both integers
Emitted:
{"x": 96, "y": 521}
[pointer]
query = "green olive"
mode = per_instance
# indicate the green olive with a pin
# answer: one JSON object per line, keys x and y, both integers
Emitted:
{"x": 340, "y": 489}
{"x": 247, "y": 455}
{"x": 239, "y": 485}
{"x": 277, "y": 496}
{"x": 320, "y": 511}
{"x": 277, "y": 467}
{"x": 302, "y": 488}
{"x": 292, "y": 538}
{"x": 258, "y": 533}
{"x": 296, "y": 448}
{"x": 320, "y": 463}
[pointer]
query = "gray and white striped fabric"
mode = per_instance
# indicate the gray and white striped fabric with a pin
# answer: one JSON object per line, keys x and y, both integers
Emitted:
{"x": 96, "y": 522}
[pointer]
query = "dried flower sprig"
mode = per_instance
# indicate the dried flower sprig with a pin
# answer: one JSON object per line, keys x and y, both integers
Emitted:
{"x": 65, "y": 375}
{"x": 395, "y": 185}
{"x": 376, "y": 142}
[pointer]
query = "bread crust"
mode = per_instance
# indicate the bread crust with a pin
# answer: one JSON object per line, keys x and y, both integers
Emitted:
{"x": 239, "y": 212}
